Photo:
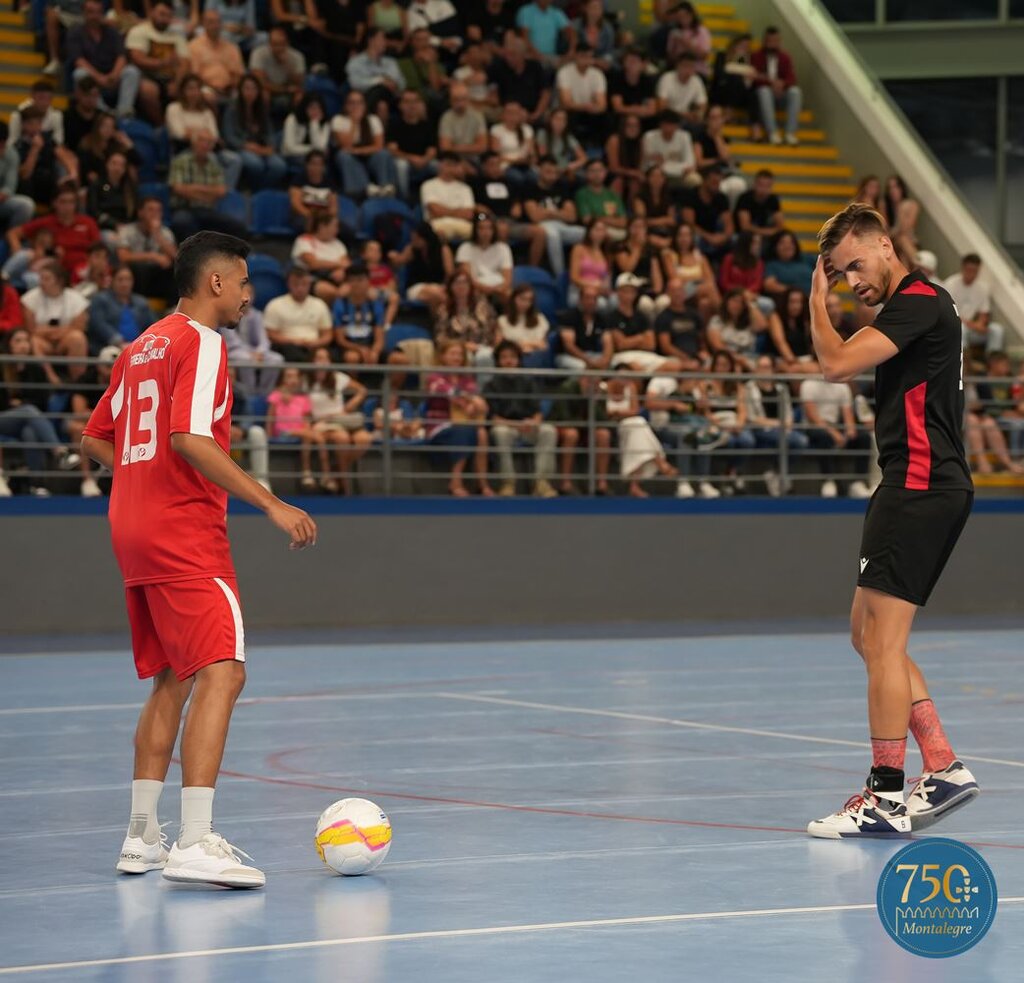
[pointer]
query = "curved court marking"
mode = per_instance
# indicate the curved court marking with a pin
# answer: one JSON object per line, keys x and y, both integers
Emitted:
{"x": 677, "y": 722}
{"x": 453, "y": 933}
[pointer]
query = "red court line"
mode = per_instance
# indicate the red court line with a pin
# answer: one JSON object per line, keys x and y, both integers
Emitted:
{"x": 508, "y": 806}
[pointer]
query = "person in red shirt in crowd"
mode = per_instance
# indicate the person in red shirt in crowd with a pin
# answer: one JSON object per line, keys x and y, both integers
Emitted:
{"x": 11, "y": 315}
{"x": 163, "y": 428}
{"x": 73, "y": 233}
{"x": 775, "y": 86}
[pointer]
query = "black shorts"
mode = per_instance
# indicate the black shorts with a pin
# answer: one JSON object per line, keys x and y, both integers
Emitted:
{"x": 909, "y": 537}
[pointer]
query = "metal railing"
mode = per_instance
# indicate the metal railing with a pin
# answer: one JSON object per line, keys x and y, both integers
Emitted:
{"x": 588, "y": 443}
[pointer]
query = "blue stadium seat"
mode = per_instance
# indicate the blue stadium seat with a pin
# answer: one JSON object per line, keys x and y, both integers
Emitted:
{"x": 157, "y": 189}
{"x": 348, "y": 213}
{"x": 328, "y": 91}
{"x": 151, "y": 146}
{"x": 267, "y": 283}
{"x": 235, "y": 205}
{"x": 262, "y": 263}
{"x": 533, "y": 275}
{"x": 373, "y": 207}
{"x": 272, "y": 215}
{"x": 398, "y": 333}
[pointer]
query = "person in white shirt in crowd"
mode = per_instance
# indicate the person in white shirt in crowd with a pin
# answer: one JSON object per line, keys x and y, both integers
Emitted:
{"x": 487, "y": 261}
{"x": 306, "y": 129}
{"x": 523, "y": 323}
{"x": 161, "y": 55}
{"x": 41, "y": 96}
{"x": 257, "y": 364}
{"x": 447, "y": 200}
{"x": 336, "y": 398}
{"x": 927, "y": 262}
{"x": 282, "y": 70}
{"x": 828, "y": 412}
{"x": 512, "y": 140}
{"x": 440, "y": 18}
{"x": 56, "y": 317}
{"x": 366, "y": 168}
{"x": 973, "y": 300}
{"x": 670, "y": 147}
{"x": 683, "y": 91}
{"x": 641, "y": 454}
{"x": 769, "y": 415}
{"x": 324, "y": 255}
{"x": 583, "y": 90}
{"x": 298, "y": 323}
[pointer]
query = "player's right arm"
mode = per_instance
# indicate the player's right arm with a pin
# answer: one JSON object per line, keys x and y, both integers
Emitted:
{"x": 204, "y": 454}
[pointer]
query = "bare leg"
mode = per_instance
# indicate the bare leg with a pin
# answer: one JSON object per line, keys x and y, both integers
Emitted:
{"x": 158, "y": 725}
{"x": 480, "y": 460}
{"x": 886, "y": 624}
{"x": 456, "y": 485}
{"x": 603, "y": 440}
{"x": 569, "y": 438}
{"x": 216, "y": 689}
{"x": 918, "y": 684}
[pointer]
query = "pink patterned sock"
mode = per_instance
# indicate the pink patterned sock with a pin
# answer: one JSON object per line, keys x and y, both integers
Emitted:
{"x": 888, "y": 754}
{"x": 931, "y": 738}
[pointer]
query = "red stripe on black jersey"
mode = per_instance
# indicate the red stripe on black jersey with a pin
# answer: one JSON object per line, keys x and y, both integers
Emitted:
{"x": 921, "y": 289}
{"x": 919, "y": 447}
{"x": 919, "y": 402}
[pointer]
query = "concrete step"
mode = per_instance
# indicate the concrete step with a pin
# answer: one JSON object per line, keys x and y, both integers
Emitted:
{"x": 12, "y": 98}
{"x": 797, "y": 206}
{"x": 12, "y": 57}
{"x": 715, "y": 10}
{"x": 741, "y": 131}
{"x": 839, "y": 192}
{"x": 789, "y": 169}
{"x": 11, "y": 18}
{"x": 17, "y": 38}
{"x": 808, "y": 152}
{"x": 728, "y": 25}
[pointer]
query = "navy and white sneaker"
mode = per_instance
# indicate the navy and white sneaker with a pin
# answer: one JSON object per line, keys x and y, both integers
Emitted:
{"x": 939, "y": 793}
{"x": 867, "y": 814}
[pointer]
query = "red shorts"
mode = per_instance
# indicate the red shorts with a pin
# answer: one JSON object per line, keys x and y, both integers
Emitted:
{"x": 185, "y": 625}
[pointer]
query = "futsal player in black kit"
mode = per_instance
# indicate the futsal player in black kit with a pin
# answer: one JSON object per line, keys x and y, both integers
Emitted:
{"x": 913, "y": 520}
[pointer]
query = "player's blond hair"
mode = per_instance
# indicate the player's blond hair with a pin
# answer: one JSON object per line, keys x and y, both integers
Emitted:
{"x": 859, "y": 218}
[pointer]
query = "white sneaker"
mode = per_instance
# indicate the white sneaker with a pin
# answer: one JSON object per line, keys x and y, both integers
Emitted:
{"x": 684, "y": 490}
{"x": 372, "y": 190}
{"x": 777, "y": 138}
{"x": 939, "y": 793}
{"x": 212, "y": 861}
{"x": 708, "y": 490}
{"x": 859, "y": 489}
{"x": 5, "y": 489}
{"x": 866, "y": 814}
{"x": 138, "y": 856}
{"x": 773, "y": 483}
{"x": 90, "y": 489}
{"x": 829, "y": 489}
{"x": 792, "y": 140}
{"x": 68, "y": 460}
{"x": 387, "y": 191}
{"x": 52, "y": 67}
{"x": 38, "y": 491}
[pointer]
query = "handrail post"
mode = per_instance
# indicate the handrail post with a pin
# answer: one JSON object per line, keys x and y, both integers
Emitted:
{"x": 385, "y": 396}
{"x": 787, "y": 409}
{"x": 591, "y": 442}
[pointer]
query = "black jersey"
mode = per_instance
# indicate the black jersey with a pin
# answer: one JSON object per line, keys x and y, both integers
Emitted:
{"x": 919, "y": 392}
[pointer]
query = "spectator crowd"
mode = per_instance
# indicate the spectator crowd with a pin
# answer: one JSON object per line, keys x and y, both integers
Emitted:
{"x": 440, "y": 185}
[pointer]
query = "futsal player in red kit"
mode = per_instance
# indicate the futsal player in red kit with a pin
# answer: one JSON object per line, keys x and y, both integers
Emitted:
{"x": 163, "y": 428}
{"x": 913, "y": 520}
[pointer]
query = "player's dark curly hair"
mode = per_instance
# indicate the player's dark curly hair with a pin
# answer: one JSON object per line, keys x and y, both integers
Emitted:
{"x": 196, "y": 251}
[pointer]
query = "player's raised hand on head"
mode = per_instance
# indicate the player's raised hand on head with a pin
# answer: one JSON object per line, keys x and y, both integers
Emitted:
{"x": 296, "y": 523}
{"x": 823, "y": 278}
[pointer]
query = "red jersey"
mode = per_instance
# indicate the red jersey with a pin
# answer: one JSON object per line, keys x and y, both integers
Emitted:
{"x": 74, "y": 239}
{"x": 167, "y": 521}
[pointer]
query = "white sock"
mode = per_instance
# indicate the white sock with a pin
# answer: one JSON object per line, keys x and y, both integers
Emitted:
{"x": 196, "y": 815}
{"x": 143, "y": 820}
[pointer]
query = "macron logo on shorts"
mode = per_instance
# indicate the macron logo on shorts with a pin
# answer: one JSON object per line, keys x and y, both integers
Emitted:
{"x": 864, "y": 561}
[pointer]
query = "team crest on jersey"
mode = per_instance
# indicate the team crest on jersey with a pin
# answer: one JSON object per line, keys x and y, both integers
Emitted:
{"x": 150, "y": 347}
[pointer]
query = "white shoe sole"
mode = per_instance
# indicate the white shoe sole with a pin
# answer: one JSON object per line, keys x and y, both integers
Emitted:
{"x": 926, "y": 819}
{"x": 183, "y": 875}
{"x": 827, "y": 833}
{"x": 139, "y": 866}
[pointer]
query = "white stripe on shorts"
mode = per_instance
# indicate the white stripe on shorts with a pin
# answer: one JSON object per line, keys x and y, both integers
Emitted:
{"x": 236, "y": 613}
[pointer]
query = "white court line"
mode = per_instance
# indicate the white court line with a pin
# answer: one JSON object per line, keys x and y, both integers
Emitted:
{"x": 676, "y": 722}
{"x": 453, "y": 933}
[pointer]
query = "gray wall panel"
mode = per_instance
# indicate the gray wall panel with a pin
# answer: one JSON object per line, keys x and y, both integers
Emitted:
{"x": 58, "y": 574}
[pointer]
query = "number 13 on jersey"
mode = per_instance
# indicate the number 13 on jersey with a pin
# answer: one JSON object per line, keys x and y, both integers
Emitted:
{"x": 140, "y": 437}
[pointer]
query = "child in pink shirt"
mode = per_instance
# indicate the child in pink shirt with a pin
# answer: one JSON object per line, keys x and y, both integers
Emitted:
{"x": 290, "y": 415}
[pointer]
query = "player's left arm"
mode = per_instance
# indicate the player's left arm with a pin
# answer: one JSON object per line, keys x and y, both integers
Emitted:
{"x": 842, "y": 360}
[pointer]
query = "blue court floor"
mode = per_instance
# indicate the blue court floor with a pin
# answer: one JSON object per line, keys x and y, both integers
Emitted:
{"x": 567, "y": 810}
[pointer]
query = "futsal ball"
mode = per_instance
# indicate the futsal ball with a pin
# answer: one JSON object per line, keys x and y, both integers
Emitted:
{"x": 353, "y": 836}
